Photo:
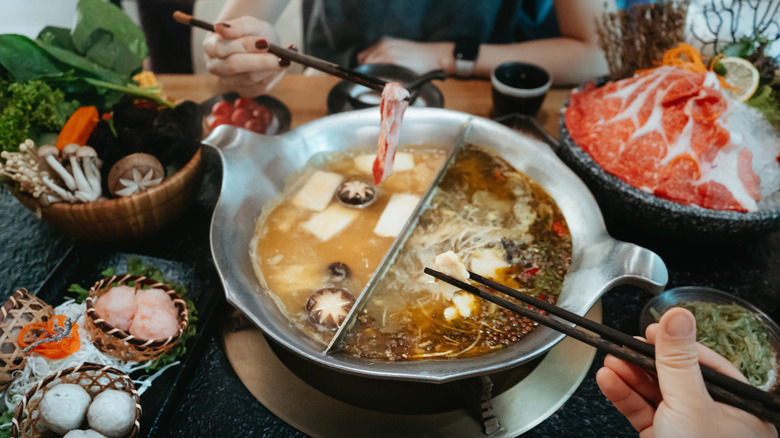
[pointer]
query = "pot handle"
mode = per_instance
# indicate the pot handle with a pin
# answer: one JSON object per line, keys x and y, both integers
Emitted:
{"x": 639, "y": 267}
{"x": 522, "y": 122}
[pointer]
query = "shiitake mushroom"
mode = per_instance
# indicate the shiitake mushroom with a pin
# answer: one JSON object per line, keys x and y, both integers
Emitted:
{"x": 328, "y": 307}
{"x": 339, "y": 272}
{"x": 356, "y": 193}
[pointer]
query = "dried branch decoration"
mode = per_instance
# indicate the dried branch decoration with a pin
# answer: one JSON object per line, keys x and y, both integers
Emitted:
{"x": 725, "y": 21}
{"x": 636, "y": 37}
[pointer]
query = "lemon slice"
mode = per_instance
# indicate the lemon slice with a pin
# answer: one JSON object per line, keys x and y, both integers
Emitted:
{"x": 741, "y": 74}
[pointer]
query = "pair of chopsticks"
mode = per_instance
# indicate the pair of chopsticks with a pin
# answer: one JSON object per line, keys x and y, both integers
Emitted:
{"x": 721, "y": 387}
{"x": 309, "y": 61}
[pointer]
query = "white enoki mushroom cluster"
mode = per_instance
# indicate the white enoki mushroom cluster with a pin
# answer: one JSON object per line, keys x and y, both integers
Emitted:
{"x": 79, "y": 175}
{"x": 26, "y": 168}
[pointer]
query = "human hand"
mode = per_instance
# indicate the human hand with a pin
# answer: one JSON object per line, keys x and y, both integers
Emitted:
{"x": 237, "y": 53}
{"x": 420, "y": 57}
{"x": 676, "y": 404}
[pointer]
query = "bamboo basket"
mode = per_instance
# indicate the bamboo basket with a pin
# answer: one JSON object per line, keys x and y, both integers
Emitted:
{"x": 92, "y": 377}
{"x": 129, "y": 218}
{"x": 21, "y": 309}
{"x": 119, "y": 343}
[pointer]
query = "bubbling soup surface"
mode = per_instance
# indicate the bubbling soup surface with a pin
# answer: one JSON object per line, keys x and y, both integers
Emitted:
{"x": 293, "y": 262}
{"x": 502, "y": 225}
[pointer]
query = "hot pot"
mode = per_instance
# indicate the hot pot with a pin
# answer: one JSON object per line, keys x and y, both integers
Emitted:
{"x": 256, "y": 168}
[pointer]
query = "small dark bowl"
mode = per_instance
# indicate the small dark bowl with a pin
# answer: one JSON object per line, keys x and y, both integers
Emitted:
{"x": 347, "y": 95}
{"x": 674, "y": 297}
{"x": 519, "y": 87}
{"x": 625, "y": 205}
{"x": 280, "y": 111}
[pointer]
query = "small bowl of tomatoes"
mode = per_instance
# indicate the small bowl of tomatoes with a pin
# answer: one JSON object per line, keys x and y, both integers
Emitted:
{"x": 262, "y": 114}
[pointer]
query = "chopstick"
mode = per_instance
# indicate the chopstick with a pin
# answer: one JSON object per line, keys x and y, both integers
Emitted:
{"x": 307, "y": 60}
{"x": 763, "y": 405}
{"x": 709, "y": 374}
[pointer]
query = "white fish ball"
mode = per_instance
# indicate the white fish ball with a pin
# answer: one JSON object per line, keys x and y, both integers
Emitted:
{"x": 112, "y": 413}
{"x": 63, "y": 407}
{"x": 89, "y": 433}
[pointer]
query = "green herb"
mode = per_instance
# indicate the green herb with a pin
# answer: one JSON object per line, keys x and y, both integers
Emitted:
{"x": 5, "y": 418}
{"x": 736, "y": 334}
{"x": 136, "y": 266}
{"x": 28, "y": 109}
{"x": 767, "y": 101}
{"x": 93, "y": 63}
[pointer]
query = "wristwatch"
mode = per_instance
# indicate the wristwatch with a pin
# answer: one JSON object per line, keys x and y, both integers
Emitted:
{"x": 465, "y": 54}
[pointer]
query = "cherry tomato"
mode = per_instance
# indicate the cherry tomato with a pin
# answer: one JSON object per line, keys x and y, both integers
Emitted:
{"x": 217, "y": 120}
{"x": 222, "y": 109}
{"x": 239, "y": 116}
{"x": 263, "y": 113}
{"x": 256, "y": 125}
{"x": 245, "y": 102}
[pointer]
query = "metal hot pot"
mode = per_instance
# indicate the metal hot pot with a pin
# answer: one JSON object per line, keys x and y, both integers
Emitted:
{"x": 256, "y": 168}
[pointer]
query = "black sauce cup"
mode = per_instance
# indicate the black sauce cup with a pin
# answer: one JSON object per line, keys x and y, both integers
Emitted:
{"x": 519, "y": 87}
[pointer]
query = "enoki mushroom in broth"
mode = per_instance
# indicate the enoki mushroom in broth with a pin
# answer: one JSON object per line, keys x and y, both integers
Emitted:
{"x": 502, "y": 225}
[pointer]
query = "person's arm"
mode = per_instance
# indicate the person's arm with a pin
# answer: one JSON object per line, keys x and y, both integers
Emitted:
{"x": 572, "y": 58}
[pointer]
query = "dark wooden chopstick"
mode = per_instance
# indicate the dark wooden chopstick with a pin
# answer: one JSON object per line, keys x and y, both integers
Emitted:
{"x": 737, "y": 387}
{"x": 746, "y": 403}
{"x": 307, "y": 60}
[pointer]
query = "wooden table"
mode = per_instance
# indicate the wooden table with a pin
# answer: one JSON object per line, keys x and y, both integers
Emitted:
{"x": 306, "y": 96}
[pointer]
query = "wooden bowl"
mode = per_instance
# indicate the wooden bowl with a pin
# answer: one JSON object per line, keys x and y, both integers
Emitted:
{"x": 126, "y": 219}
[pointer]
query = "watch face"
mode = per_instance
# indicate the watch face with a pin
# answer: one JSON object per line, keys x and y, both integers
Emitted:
{"x": 466, "y": 49}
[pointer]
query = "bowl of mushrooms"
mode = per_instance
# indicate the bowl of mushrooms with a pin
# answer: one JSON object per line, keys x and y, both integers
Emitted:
{"x": 134, "y": 173}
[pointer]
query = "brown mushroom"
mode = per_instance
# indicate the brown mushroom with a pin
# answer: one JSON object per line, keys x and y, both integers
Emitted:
{"x": 328, "y": 307}
{"x": 338, "y": 272}
{"x": 134, "y": 173}
{"x": 356, "y": 193}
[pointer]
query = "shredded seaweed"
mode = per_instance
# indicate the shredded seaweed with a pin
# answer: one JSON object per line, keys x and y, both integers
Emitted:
{"x": 736, "y": 334}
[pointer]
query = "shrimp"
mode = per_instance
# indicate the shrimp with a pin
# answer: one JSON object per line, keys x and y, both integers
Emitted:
{"x": 117, "y": 306}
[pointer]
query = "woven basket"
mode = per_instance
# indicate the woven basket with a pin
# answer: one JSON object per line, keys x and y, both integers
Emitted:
{"x": 21, "y": 309}
{"x": 126, "y": 219}
{"x": 119, "y": 343}
{"x": 92, "y": 377}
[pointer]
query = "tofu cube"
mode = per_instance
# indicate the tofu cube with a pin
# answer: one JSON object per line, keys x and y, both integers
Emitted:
{"x": 318, "y": 190}
{"x": 396, "y": 214}
{"x": 403, "y": 161}
{"x": 330, "y": 222}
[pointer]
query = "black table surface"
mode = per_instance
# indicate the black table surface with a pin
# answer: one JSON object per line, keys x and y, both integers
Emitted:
{"x": 216, "y": 403}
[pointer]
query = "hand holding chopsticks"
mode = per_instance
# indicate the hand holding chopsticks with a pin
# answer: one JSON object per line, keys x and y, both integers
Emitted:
{"x": 291, "y": 55}
{"x": 722, "y": 388}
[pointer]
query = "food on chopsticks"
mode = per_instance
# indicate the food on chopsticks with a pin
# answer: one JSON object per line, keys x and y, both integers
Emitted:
{"x": 395, "y": 100}
{"x": 676, "y": 131}
{"x": 310, "y": 240}
{"x": 484, "y": 215}
{"x": 738, "y": 335}
{"x": 245, "y": 113}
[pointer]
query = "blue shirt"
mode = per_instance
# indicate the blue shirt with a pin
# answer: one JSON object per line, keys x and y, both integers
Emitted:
{"x": 337, "y": 30}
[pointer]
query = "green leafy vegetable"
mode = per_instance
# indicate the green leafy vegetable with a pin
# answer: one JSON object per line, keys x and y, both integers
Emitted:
{"x": 29, "y": 109}
{"x": 94, "y": 63}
